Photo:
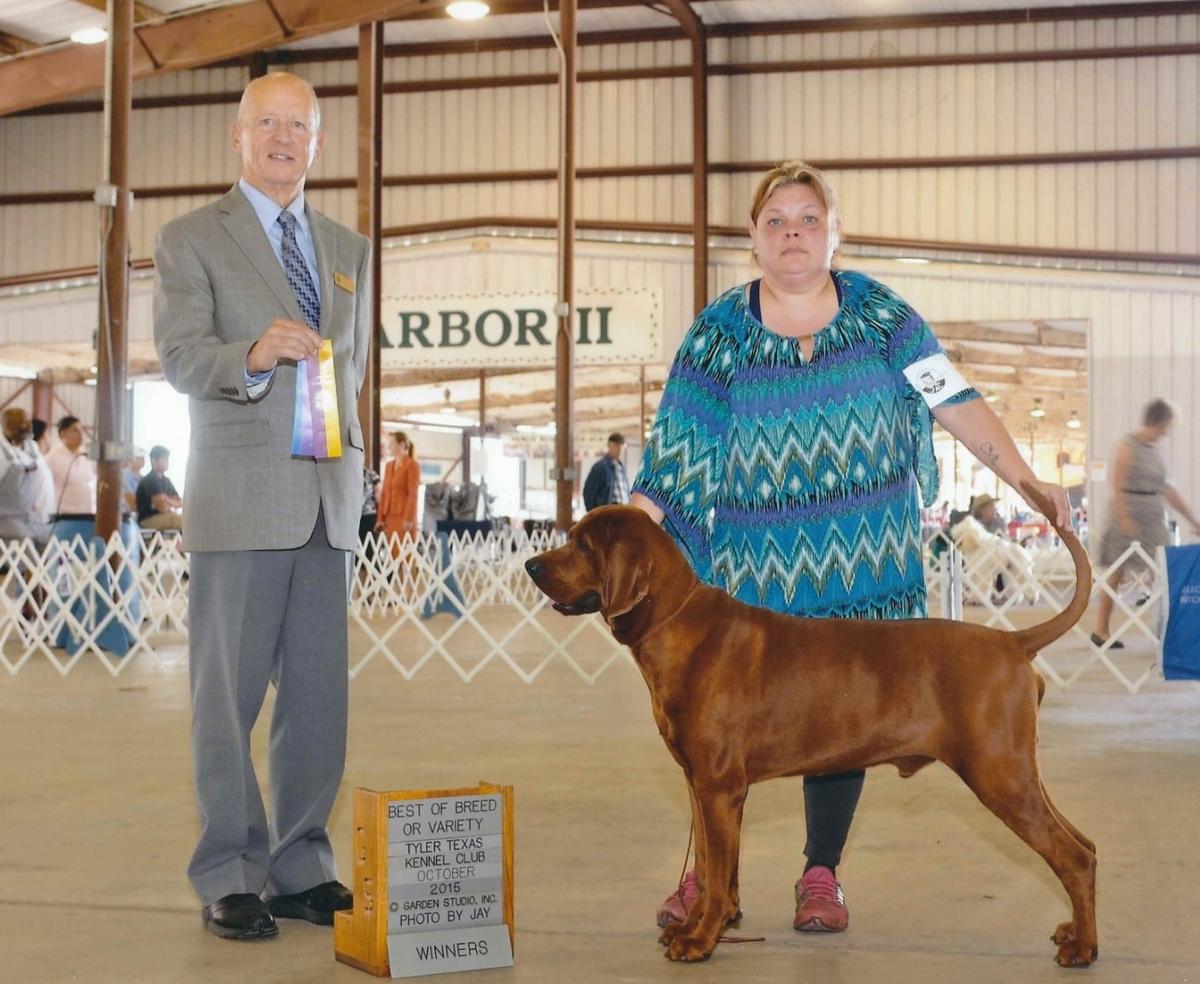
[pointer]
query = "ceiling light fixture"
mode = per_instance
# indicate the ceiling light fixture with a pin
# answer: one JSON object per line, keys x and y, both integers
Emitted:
{"x": 89, "y": 35}
{"x": 467, "y": 10}
{"x": 911, "y": 259}
{"x": 1073, "y": 421}
{"x": 1038, "y": 410}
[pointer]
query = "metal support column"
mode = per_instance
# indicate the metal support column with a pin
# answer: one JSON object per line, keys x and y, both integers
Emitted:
{"x": 564, "y": 410}
{"x": 370, "y": 218}
{"x": 112, "y": 340}
{"x": 43, "y": 397}
{"x": 694, "y": 28}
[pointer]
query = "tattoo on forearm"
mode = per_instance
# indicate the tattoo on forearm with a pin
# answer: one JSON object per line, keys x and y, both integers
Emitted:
{"x": 989, "y": 453}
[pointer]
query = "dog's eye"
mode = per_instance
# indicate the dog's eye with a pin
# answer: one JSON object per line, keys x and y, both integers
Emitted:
{"x": 582, "y": 547}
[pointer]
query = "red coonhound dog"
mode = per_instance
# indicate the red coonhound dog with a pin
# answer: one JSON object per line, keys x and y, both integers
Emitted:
{"x": 742, "y": 694}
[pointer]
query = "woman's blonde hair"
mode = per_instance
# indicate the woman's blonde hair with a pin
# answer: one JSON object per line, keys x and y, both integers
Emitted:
{"x": 797, "y": 172}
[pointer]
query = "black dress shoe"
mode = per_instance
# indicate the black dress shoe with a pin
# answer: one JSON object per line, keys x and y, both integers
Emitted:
{"x": 241, "y": 916}
{"x": 317, "y": 905}
{"x": 1098, "y": 641}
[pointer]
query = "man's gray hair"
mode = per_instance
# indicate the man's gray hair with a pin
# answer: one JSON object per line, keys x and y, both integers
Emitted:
{"x": 282, "y": 75}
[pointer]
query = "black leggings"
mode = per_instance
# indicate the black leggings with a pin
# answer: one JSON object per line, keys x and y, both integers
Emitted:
{"x": 829, "y": 803}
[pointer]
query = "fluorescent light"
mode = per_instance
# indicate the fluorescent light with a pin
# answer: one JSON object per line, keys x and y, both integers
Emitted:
{"x": 437, "y": 429}
{"x": 90, "y": 35}
{"x": 467, "y": 9}
{"x": 911, "y": 259}
{"x": 991, "y": 398}
{"x": 546, "y": 430}
{"x": 17, "y": 372}
{"x": 442, "y": 418}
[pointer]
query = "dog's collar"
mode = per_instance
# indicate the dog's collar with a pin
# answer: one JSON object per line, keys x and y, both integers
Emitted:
{"x": 683, "y": 604}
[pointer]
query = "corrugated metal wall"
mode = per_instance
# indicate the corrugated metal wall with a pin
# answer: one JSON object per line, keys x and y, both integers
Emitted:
{"x": 960, "y": 110}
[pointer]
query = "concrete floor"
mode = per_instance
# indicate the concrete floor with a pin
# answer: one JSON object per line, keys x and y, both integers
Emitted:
{"x": 97, "y": 817}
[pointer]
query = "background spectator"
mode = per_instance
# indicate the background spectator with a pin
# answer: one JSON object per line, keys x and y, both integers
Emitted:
{"x": 1141, "y": 492}
{"x": 397, "y": 515}
{"x": 131, "y": 475}
{"x": 983, "y": 508}
{"x": 74, "y": 473}
{"x": 606, "y": 482}
{"x": 43, "y": 505}
{"x": 20, "y": 480}
{"x": 159, "y": 506}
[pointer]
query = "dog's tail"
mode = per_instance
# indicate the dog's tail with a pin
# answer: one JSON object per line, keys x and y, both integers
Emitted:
{"x": 1037, "y": 636}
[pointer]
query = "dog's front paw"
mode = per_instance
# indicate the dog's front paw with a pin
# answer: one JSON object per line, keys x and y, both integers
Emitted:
{"x": 690, "y": 949}
{"x": 1064, "y": 934}
{"x": 1076, "y": 953}
{"x": 670, "y": 931}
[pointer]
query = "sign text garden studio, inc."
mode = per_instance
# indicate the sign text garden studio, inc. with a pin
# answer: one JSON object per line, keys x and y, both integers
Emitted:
{"x": 620, "y": 326}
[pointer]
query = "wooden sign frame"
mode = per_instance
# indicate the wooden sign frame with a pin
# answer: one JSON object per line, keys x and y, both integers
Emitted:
{"x": 360, "y": 935}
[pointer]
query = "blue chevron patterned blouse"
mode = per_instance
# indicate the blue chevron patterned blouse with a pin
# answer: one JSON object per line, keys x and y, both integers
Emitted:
{"x": 795, "y": 484}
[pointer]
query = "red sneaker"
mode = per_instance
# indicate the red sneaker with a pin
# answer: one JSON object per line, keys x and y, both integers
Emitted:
{"x": 677, "y": 905}
{"x": 820, "y": 903}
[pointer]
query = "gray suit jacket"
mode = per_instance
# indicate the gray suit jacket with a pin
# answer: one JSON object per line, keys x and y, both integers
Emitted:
{"x": 219, "y": 286}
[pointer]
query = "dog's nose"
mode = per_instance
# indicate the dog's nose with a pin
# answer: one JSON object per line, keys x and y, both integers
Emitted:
{"x": 534, "y": 567}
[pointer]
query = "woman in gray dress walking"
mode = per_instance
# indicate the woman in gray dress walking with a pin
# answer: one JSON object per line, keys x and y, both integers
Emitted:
{"x": 1140, "y": 492}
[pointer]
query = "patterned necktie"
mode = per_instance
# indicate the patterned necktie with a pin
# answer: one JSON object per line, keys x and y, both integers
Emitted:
{"x": 297, "y": 273}
{"x": 315, "y": 431}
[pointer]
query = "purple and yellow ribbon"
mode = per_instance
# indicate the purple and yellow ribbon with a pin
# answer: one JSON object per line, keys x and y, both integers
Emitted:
{"x": 315, "y": 429}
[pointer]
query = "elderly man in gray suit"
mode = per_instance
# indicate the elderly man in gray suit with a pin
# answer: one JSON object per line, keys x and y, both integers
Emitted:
{"x": 249, "y": 286}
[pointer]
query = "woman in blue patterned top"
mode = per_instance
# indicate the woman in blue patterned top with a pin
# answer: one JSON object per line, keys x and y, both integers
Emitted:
{"x": 792, "y": 451}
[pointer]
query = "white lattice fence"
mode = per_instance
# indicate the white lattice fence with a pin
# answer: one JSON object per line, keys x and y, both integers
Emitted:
{"x": 79, "y": 597}
{"x": 1007, "y": 586}
{"x": 467, "y": 603}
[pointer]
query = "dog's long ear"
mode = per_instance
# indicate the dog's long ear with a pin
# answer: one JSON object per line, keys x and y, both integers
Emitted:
{"x": 626, "y": 580}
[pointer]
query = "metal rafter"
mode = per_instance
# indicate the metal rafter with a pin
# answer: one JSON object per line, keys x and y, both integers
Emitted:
{"x": 11, "y": 44}
{"x": 141, "y": 12}
{"x": 187, "y": 40}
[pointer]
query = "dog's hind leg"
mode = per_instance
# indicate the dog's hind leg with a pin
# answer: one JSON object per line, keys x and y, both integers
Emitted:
{"x": 1078, "y": 834}
{"x": 1065, "y": 932}
{"x": 719, "y": 806}
{"x": 1011, "y": 788}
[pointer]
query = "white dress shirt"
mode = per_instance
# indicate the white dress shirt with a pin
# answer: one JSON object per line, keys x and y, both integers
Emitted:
{"x": 74, "y": 480}
{"x": 268, "y": 211}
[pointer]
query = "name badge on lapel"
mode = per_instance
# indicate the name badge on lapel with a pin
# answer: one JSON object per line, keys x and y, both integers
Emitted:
{"x": 344, "y": 282}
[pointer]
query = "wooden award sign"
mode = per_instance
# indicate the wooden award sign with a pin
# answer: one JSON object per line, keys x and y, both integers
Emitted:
{"x": 433, "y": 882}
